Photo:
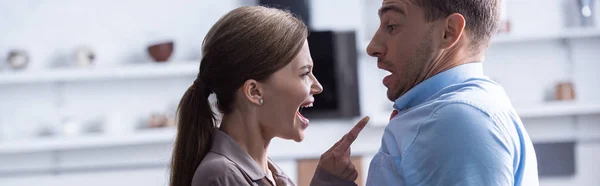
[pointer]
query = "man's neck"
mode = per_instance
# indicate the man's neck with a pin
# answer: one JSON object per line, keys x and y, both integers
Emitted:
{"x": 448, "y": 59}
{"x": 451, "y": 58}
{"x": 244, "y": 129}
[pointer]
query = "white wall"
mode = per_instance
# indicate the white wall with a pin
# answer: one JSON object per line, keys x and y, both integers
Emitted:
{"x": 120, "y": 30}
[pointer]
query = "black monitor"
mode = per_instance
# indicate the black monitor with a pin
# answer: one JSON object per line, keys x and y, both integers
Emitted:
{"x": 334, "y": 55}
{"x": 301, "y": 8}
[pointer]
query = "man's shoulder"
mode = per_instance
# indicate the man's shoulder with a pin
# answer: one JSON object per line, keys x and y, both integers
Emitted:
{"x": 474, "y": 106}
{"x": 458, "y": 127}
{"x": 468, "y": 107}
{"x": 478, "y": 93}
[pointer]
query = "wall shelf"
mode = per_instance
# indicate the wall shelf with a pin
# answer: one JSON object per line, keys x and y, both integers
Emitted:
{"x": 319, "y": 137}
{"x": 322, "y": 132}
{"x": 551, "y": 109}
{"x": 152, "y": 136}
{"x": 572, "y": 33}
{"x": 148, "y": 70}
{"x": 559, "y": 109}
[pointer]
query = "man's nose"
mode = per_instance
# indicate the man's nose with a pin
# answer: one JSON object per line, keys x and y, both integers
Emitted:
{"x": 375, "y": 48}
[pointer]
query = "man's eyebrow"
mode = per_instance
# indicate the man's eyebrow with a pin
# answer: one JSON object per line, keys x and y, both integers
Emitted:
{"x": 387, "y": 8}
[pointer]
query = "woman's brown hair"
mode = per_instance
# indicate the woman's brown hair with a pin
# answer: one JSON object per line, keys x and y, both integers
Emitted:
{"x": 249, "y": 42}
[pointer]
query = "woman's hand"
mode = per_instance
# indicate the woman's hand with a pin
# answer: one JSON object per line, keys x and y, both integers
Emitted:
{"x": 336, "y": 160}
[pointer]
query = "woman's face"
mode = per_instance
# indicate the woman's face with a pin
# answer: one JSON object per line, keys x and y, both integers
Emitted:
{"x": 285, "y": 92}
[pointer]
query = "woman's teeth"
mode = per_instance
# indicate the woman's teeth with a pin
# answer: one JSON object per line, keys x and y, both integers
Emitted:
{"x": 307, "y": 106}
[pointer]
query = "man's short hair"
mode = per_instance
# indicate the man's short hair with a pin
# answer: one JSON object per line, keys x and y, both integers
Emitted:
{"x": 482, "y": 17}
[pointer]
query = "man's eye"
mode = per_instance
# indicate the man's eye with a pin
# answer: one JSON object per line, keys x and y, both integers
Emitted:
{"x": 391, "y": 28}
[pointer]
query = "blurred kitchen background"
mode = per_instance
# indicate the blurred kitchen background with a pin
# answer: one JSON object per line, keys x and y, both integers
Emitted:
{"x": 89, "y": 88}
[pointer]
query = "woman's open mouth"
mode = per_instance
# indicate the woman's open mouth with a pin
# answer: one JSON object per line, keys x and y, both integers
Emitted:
{"x": 303, "y": 119}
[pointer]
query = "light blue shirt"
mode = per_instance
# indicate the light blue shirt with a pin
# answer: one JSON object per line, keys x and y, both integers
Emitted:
{"x": 455, "y": 128}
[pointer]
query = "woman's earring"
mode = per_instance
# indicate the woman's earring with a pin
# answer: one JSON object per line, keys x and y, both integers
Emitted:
{"x": 260, "y": 102}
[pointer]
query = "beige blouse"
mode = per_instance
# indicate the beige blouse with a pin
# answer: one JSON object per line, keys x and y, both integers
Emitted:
{"x": 228, "y": 164}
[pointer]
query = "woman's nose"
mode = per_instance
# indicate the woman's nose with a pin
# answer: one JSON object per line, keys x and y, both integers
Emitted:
{"x": 316, "y": 87}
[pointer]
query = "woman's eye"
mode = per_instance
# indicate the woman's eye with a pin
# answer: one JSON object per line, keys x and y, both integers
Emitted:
{"x": 306, "y": 74}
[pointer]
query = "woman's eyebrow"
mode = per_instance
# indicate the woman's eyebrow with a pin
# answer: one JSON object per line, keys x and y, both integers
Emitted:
{"x": 306, "y": 66}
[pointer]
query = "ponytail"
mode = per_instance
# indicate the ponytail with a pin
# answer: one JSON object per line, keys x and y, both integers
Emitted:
{"x": 195, "y": 127}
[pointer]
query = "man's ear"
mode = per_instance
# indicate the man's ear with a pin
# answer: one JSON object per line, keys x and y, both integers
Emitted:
{"x": 253, "y": 91}
{"x": 454, "y": 27}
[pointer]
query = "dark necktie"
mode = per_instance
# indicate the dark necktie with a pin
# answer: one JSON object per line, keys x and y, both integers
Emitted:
{"x": 394, "y": 113}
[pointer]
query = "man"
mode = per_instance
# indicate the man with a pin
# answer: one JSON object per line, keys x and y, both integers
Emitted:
{"x": 451, "y": 125}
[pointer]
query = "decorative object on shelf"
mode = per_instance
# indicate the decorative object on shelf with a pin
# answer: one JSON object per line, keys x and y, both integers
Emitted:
{"x": 84, "y": 56}
{"x": 71, "y": 124}
{"x": 565, "y": 91}
{"x": 160, "y": 121}
{"x": 18, "y": 59}
{"x": 119, "y": 123}
{"x": 70, "y": 127}
{"x": 93, "y": 126}
{"x": 586, "y": 12}
{"x": 161, "y": 52}
{"x": 47, "y": 130}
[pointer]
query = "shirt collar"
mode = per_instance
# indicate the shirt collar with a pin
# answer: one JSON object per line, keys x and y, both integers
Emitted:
{"x": 426, "y": 89}
{"x": 224, "y": 145}
{"x": 277, "y": 171}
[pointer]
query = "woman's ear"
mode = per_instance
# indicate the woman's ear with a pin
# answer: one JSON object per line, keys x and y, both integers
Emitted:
{"x": 253, "y": 91}
{"x": 454, "y": 27}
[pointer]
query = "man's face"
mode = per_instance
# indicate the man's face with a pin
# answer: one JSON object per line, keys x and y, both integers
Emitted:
{"x": 404, "y": 45}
